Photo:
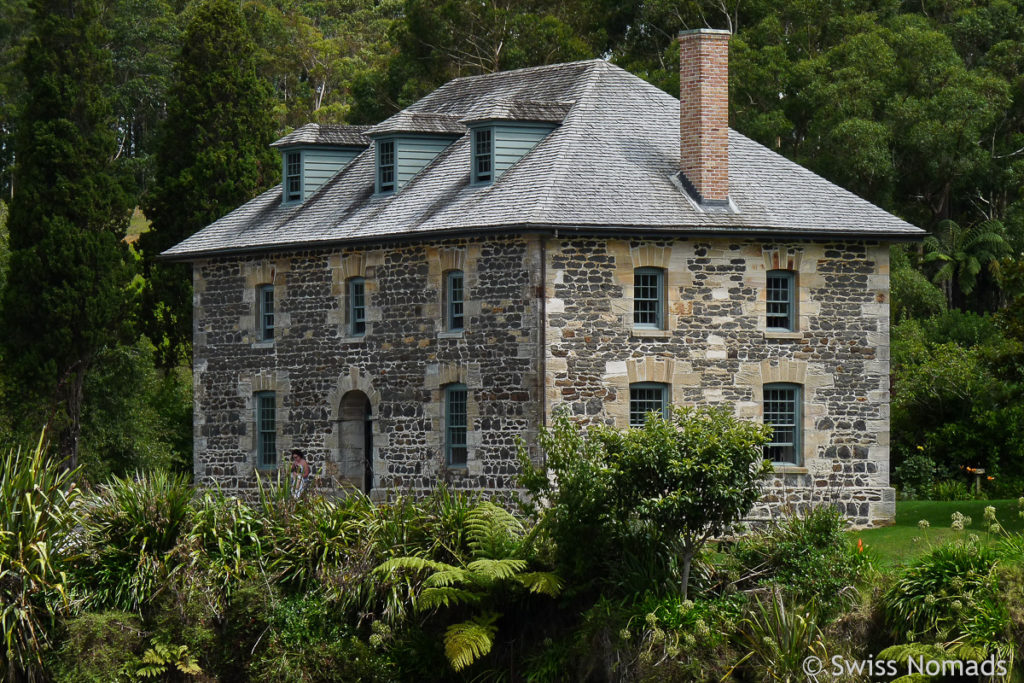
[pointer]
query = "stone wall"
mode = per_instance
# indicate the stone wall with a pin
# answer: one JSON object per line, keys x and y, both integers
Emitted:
{"x": 716, "y": 349}
{"x": 400, "y": 365}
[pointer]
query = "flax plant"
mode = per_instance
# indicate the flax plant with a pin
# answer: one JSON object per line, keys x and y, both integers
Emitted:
{"x": 37, "y": 499}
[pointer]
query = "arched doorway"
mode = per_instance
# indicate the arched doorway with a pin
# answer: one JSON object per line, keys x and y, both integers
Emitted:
{"x": 356, "y": 442}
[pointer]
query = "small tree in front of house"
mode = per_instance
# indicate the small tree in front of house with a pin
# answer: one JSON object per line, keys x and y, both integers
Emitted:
{"x": 665, "y": 488}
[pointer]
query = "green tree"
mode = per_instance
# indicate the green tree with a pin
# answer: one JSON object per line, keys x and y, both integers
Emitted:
{"x": 213, "y": 155}
{"x": 674, "y": 484}
{"x": 958, "y": 255}
{"x": 67, "y": 297}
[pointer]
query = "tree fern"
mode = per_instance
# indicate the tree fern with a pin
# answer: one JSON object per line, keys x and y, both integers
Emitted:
{"x": 468, "y": 641}
{"x": 546, "y": 583}
{"x": 497, "y": 570}
{"x": 493, "y": 532}
{"x": 432, "y": 598}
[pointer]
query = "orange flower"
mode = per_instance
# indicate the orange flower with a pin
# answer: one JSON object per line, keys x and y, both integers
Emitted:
{"x": 860, "y": 545}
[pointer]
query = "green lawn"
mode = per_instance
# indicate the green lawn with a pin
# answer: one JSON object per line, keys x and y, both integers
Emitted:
{"x": 903, "y": 542}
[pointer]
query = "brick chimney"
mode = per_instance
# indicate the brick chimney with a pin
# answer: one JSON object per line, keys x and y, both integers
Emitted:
{"x": 704, "y": 113}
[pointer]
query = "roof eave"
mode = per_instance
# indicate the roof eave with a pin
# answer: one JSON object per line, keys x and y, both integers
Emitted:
{"x": 759, "y": 232}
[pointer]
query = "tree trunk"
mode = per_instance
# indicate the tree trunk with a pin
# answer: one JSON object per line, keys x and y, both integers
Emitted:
{"x": 69, "y": 436}
{"x": 687, "y": 561}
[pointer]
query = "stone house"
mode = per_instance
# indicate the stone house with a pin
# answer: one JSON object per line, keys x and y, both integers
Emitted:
{"x": 419, "y": 293}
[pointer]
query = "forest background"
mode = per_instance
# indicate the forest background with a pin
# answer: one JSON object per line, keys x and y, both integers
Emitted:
{"x": 127, "y": 125}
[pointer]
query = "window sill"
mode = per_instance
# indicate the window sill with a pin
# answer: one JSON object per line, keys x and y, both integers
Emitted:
{"x": 458, "y": 470}
{"x": 263, "y": 344}
{"x": 650, "y": 333}
{"x": 787, "y": 468}
{"x": 782, "y": 334}
{"x": 353, "y": 338}
{"x": 452, "y": 334}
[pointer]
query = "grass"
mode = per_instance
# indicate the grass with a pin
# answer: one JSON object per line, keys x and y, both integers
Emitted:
{"x": 905, "y": 541}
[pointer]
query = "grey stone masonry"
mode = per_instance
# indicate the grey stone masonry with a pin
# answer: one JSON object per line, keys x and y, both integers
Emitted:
{"x": 400, "y": 366}
{"x": 716, "y": 349}
{"x": 548, "y": 322}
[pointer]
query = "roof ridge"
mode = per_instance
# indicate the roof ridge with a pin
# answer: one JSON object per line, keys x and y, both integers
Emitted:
{"x": 530, "y": 69}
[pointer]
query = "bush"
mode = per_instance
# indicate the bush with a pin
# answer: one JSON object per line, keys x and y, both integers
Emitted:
{"x": 664, "y": 489}
{"x": 130, "y": 527}
{"x": 99, "y": 647}
{"x": 915, "y": 476}
{"x": 36, "y": 517}
{"x": 810, "y": 557}
{"x": 951, "y": 489}
{"x": 943, "y": 594}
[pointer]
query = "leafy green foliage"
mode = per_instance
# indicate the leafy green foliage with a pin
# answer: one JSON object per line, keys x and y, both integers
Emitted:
{"x": 67, "y": 295}
{"x": 130, "y": 526}
{"x": 36, "y": 517}
{"x": 212, "y": 156}
{"x": 945, "y": 594}
{"x": 778, "y": 639}
{"x": 495, "y": 539}
{"x": 99, "y": 647}
{"x": 915, "y": 476}
{"x": 809, "y": 556}
{"x": 958, "y": 255}
{"x": 162, "y": 657}
{"x": 671, "y": 486}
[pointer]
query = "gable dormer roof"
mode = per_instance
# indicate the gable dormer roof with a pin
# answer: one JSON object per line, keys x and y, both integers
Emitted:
{"x": 611, "y": 167}
{"x": 427, "y": 123}
{"x": 328, "y": 135}
{"x": 519, "y": 110}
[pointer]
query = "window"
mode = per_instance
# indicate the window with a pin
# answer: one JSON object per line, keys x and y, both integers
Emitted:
{"x": 649, "y": 298}
{"x": 386, "y": 166}
{"x": 781, "y": 305}
{"x": 266, "y": 430}
{"x": 782, "y": 413}
{"x": 483, "y": 156}
{"x": 644, "y": 398}
{"x": 292, "y": 177}
{"x": 357, "y": 306}
{"x": 456, "y": 419}
{"x": 454, "y": 299}
{"x": 265, "y": 300}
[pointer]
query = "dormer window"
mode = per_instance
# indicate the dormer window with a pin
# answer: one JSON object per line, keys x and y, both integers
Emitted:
{"x": 385, "y": 166}
{"x": 483, "y": 155}
{"x": 292, "y": 177}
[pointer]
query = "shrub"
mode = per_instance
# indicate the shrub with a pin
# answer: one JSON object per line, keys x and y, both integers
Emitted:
{"x": 778, "y": 639}
{"x": 36, "y": 516}
{"x": 945, "y": 594}
{"x": 809, "y": 556}
{"x": 130, "y": 526}
{"x": 667, "y": 487}
{"x": 951, "y": 489}
{"x": 99, "y": 647}
{"x": 915, "y": 476}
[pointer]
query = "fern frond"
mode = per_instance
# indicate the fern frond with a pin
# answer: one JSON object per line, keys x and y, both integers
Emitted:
{"x": 445, "y": 597}
{"x": 469, "y": 641}
{"x": 416, "y": 564}
{"x": 497, "y": 570}
{"x": 492, "y": 531}
{"x": 547, "y": 583}
{"x": 448, "y": 577}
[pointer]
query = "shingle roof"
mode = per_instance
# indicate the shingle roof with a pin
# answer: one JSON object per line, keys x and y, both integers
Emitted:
{"x": 520, "y": 110}
{"x": 335, "y": 135}
{"x": 407, "y": 121}
{"x": 609, "y": 167}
